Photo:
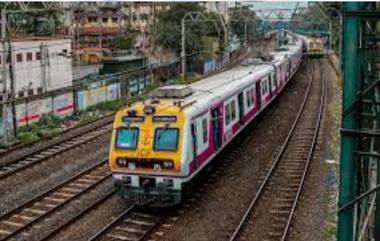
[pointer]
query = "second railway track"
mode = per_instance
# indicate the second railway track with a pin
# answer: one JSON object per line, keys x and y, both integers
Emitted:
{"x": 29, "y": 159}
{"x": 271, "y": 211}
{"x": 28, "y": 214}
{"x": 131, "y": 225}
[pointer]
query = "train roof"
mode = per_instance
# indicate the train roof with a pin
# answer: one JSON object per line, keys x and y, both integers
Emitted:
{"x": 200, "y": 94}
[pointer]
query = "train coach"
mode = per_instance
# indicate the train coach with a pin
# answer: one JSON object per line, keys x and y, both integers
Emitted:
{"x": 314, "y": 47}
{"x": 160, "y": 144}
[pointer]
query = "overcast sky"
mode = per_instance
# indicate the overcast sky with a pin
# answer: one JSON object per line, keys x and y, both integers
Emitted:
{"x": 274, "y": 5}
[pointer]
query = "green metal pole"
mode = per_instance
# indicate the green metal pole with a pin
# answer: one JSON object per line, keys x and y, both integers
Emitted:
{"x": 377, "y": 211}
{"x": 348, "y": 176}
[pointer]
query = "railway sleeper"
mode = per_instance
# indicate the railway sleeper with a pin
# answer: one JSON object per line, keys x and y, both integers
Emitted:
{"x": 283, "y": 206}
{"x": 121, "y": 237}
{"x": 278, "y": 225}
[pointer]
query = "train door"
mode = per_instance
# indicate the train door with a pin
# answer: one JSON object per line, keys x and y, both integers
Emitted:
{"x": 241, "y": 106}
{"x": 216, "y": 119}
{"x": 258, "y": 95}
{"x": 193, "y": 128}
{"x": 270, "y": 85}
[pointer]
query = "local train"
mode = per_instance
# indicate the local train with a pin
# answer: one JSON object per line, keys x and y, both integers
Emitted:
{"x": 160, "y": 144}
{"x": 314, "y": 47}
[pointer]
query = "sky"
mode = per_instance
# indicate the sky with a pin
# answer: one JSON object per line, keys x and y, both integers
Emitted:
{"x": 258, "y": 5}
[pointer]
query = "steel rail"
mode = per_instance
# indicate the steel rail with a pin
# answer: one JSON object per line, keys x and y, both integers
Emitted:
{"x": 49, "y": 192}
{"x": 106, "y": 228}
{"x": 19, "y": 146}
{"x": 309, "y": 157}
{"x": 26, "y": 164}
{"x": 78, "y": 216}
{"x": 273, "y": 166}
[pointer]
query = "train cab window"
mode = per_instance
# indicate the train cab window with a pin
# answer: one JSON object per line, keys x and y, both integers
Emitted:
{"x": 126, "y": 138}
{"x": 166, "y": 139}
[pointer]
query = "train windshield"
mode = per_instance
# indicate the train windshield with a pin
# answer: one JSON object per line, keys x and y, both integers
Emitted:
{"x": 126, "y": 138}
{"x": 166, "y": 139}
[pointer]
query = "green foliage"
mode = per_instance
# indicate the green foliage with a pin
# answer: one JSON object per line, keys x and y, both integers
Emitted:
{"x": 28, "y": 137}
{"x": 242, "y": 22}
{"x": 112, "y": 105}
{"x": 47, "y": 126}
{"x": 49, "y": 121}
{"x": 167, "y": 31}
{"x": 124, "y": 42}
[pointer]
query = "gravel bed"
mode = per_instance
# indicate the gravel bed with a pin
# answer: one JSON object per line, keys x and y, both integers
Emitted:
{"x": 30, "y": 182}
{"x": 91, "y": 223}
{"x": 217, "y": 206}
{"x": 319, "y": 222}
{"x": 26, "y": 149}
{"x": 43, "y": 227}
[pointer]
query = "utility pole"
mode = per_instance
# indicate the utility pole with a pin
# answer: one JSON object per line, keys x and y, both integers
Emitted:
{"x": 183, "y": 51}
{"x": 245, "y": 33}
{"x": 4, "y": 116}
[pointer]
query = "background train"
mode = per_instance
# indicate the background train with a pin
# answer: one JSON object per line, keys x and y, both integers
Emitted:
{"x": 160, "y": 144}
{"x": 314, "y": 47}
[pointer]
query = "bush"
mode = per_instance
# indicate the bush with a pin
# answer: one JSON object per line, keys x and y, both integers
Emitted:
{"x": 28, "y": 137}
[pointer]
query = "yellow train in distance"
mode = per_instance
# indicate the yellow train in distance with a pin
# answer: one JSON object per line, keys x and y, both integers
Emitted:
{"x": 314, "y": 47}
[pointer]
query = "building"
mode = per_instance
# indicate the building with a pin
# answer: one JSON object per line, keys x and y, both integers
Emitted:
{"x": 38, "y": 64}
{"x": 94, "y": 25}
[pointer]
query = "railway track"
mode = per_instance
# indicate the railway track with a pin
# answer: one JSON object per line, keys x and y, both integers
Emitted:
{"x": 272, "y": 209}
{"x": 20, "y": 146}
{"x": 28, "y": 159}
{"x": 131, "y": 225}
{"x": 36, "y": 209}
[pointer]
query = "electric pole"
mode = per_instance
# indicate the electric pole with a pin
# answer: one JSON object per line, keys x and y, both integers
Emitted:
{"x": 4, "y": 117}
{"x": 183, "y": 51}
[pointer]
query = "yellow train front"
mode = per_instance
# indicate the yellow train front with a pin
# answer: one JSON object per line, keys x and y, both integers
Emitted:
{"x": 314, "y": 47}
{"x": 145, "y": 153}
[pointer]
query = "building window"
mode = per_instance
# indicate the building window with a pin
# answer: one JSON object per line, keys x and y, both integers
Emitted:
{"x": 19, "y": 57}
{"x": 30, "y": 92}
{"x": 39, "y": 90}
{"x": 29, "y": 56}
{"x": 114, "y": 20}
{"x": 105, "y": 20}
{"x": 38, "y": 55}
{"x": 21, "y": 94}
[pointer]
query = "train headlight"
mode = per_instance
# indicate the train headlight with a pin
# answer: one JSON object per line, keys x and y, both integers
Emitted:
{"x": 167, "y": 164}
{"x": 121, "y": 162}
{"x": 132, "y": 165}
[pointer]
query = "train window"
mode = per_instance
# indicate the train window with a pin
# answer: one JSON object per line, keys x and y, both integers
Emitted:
{"x": 204, "y": 130}
{"x": 230, "y": 112}
{"x": 126, "y": 138}
{"x": 264, "y": 87}
{"x": 227, "y": 114}
{"x": 250, "y": 97}
{"x": 166, "y": 139}
{"x": 233, "y": 110}
{"x": 274, "y": 84}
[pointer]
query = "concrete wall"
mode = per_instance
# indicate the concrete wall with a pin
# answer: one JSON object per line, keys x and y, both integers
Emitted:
{"x": 52, "y": 71}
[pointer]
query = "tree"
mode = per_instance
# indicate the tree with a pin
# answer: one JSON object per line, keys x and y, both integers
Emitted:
{"x": 242, "y": 22}
{"x": 167, "y": 30}
{"x": 124, "y": 42}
